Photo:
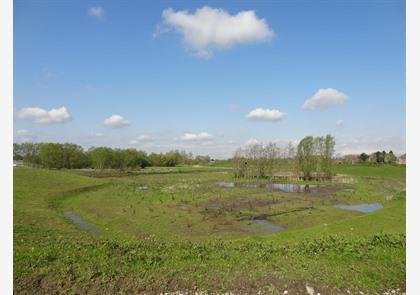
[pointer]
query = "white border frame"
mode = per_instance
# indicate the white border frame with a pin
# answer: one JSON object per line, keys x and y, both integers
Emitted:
{"x": 6, "y": 150}
{"x": 413, "y": 144}
{"x": 412, "y": 135}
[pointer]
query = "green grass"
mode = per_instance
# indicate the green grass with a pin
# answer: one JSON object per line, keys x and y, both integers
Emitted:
{"x": 183, "y": 232}
{"x": 387, "y": 171}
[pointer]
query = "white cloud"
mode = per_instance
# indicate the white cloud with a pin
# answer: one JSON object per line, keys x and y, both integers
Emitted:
{"x": 202, "y": 136}
{"x": 265, "y": 115}
{"x": 22, "y": 132}
{"x": 252, "y": 141}
{"x": 39, "y": 115}
{"x": 140, "y": 139}
{"x": 116, "y": 121}
{"x": 339, "y": 123}
{"x": 99, "y": 134}
{"x": 210, "y": 28}
{"x": 23, "y": 135}
{"x": 325, "y": 98}
{"x": 96, "y": 11}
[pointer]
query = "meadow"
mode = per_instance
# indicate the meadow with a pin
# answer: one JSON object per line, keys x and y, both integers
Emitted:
{"x": 197, "y": 228}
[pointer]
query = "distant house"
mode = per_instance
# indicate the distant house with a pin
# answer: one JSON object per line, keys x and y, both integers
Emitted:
{"x": 401, "y": 160}
{"x": 348, "y": 159}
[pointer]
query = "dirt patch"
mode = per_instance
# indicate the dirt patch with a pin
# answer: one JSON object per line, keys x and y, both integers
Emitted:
{"x": 174, "y": 284}
{"x": 235, "y": 204}
{"x": 293, "y": 188}
{"x": 267, "y": 215}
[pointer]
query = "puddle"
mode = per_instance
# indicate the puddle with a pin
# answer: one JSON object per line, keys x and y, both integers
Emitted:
{"x": 294, "y": 188}
{"x": 80, "y": 222}
{"x": 365, "y": 208}
{"x": 225, "y": 184}
{"x": 284, "y": 187}
{"x": 263, "y": 226}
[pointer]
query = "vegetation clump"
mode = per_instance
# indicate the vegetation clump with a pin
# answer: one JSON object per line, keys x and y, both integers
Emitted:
{"x": 72, "y": 156}
{"x": 311, "y": 159}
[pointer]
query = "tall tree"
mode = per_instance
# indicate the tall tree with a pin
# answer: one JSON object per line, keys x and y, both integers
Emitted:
{"x": 306, "y": 157}
{"x": 390, "y": 158}
{"x": 363, "y": 157}
{"x": 327, "y": 155}
{"x": 52, "y": 155}
{"x": 30, "y": 153}
{"x": 101, "y": 157}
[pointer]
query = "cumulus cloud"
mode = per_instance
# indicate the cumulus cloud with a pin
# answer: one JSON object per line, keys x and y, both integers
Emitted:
{"x": 339, "y": 123}
{"x": 202, "y": 136}
{"x": 96, "y": 11}
{"x": 252, "y": 141}
{"x": 210, "y": 28}
{"x": 22, "y": 132}
{"x": 325, "y": 98}
{"x": 39, "y": 115}
{"x": 23, "y": 135}
{"x": 116, "y": 121}
{"x": 140, "y": 139}
{"x": 260, "y": 114}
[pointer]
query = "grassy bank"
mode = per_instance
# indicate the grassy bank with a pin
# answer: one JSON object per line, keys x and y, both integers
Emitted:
{"x": 168, "y": 231}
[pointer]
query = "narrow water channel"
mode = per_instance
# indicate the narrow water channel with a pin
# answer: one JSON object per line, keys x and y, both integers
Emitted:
{"x": 80, "y": 222}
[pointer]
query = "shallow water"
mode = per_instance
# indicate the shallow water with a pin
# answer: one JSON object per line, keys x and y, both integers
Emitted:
{"x": 263, "y": 227}
{"x": 365, "y": 208}
{"x": 284, "y": 187}
{"x": 294, "y": 188}
{"x": 80, "y": 222}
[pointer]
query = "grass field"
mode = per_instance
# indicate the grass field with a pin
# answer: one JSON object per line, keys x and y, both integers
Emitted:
{"x": 169, "y": 229}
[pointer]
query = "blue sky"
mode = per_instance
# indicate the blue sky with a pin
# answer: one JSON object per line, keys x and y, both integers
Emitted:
{"x": 208, "y": 77}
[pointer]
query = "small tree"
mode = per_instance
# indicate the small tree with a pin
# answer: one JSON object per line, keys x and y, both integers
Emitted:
{"x": 327, "y": 155}
{"x": 363, "y": 157}
{"x": 101, "y": 157}
{"x": 239, "y": 163}
{"x": 380, "y": 157}
{"x": 74, "y": 156}
{"x": 30, "y": 153}
{"x": 306, "y": 157}
{"x": 52, "y": 155}
{"x": 17, "y": 152}
{"x": 315, "y": 155}
{"x": 390, "y": 158}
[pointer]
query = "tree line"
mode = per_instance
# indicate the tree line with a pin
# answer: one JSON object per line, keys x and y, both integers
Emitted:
{"x": 259, "y": 160}
{"x": 312, "y": 158}
{"x": 73, "y": 156}
{"x": 378, "y": 158}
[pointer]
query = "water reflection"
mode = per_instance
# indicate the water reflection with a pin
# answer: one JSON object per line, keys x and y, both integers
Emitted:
{"x": 284, "y": 187}
{"x": 365, "y": 208}
{"x": 262, "y": 226}
{"x": 80, "y": 222}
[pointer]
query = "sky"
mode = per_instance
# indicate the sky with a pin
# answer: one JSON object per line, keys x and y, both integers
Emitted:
{"x": 209, "y": 77}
